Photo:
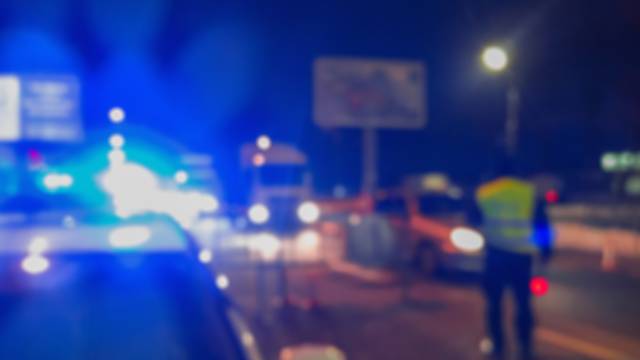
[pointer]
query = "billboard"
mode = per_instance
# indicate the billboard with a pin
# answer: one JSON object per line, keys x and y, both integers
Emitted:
{"x": 39, "y": 108}
{"x": 365, "y": 93}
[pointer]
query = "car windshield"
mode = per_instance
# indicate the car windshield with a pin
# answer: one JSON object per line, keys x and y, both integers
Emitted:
{"x": 436, "y": 204}
{"x": 392, "y": 206}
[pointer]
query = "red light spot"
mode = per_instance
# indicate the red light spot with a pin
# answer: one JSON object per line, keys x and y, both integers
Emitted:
{"x": 34, "y": 157}
{"x": 552, "y": 196}
{"x": 539, "y": 286}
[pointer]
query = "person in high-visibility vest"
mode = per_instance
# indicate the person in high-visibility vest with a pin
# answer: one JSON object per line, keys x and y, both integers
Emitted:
{"x": 514, "y": 223}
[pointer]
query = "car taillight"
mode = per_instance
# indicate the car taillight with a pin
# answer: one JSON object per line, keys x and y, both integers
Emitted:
{"x": 539, "y": 286}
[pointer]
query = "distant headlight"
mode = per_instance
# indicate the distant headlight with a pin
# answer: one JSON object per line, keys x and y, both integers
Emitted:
{"x": 266, "y": 245}
{"x": 38, "y": 245}
{"x": 205, "y": 256}
{"x": 308, "y": 240}
{"x": 467, "y": 240}
{"x": 35, "y": 264}
{"x": 259, "y": 214}
{"x": 308, "y": 212}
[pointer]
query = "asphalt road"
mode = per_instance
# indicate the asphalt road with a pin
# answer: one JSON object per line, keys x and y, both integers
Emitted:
{"x": 587, "y": 314}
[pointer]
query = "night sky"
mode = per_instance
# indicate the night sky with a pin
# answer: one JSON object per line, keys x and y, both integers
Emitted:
{"x": 214, "y": 74}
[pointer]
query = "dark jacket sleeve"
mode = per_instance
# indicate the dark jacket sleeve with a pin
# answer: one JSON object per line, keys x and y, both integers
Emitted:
{"x": 543, "y": 231}
{"x": 474, "y": 214}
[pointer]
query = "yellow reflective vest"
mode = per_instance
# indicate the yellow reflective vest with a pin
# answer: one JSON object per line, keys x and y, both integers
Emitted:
{"x": 508, "y": 207}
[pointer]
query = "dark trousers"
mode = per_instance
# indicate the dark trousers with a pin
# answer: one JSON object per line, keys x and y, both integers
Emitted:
{"x": 508, "y": 270}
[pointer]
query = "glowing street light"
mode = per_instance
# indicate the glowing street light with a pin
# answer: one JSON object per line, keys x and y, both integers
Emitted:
{"x": 495, "y": 58}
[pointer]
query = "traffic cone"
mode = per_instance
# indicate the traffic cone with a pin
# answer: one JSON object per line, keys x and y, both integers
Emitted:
{"x": 608, "y": 262}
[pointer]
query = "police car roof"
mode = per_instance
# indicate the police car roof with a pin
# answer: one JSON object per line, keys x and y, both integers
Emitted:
{"x": 140, "y": 235}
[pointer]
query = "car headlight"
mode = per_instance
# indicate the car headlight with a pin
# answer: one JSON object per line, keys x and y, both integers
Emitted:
{"x": 259, "y": 214}
{"x": 466, "y": 239}
{"x": 308, "y": 212}
{"x": 205, "y": 256}
{"x": 35, "y": 264}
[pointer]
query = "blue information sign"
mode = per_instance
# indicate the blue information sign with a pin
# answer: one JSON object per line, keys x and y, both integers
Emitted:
{"x": 40, "y": 108}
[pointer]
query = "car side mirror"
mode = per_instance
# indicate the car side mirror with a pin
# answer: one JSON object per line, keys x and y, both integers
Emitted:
{"x": 311, "y": 352}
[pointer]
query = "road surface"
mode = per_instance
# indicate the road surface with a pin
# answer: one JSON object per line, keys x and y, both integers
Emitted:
{"x": 587, "y": 314}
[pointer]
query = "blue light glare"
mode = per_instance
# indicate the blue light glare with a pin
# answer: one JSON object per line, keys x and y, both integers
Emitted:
{"x": 29, "y": 51}
{"x": 53, "y": 182}
{"x": 129, "y": 237}
{"x": 133, "y": 183}
{"x": 181, "y": 177}
{"x": 116, "y": 157}
{"x": 135, "y": 189}
{"x": 132, "y": 188}
{"x": 218, "y": 95}
{"x": 124, "y": 24}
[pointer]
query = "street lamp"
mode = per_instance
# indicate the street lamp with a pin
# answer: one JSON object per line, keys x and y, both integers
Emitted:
{"x": 496, "y": 59}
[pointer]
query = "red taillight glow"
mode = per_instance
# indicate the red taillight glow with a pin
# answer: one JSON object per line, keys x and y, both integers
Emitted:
{"x": 552, "y": 196}
{"x": 539, "y": 286}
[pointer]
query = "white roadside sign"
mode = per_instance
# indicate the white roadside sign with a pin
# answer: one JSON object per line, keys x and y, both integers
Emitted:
{"x": 365, "y": 93}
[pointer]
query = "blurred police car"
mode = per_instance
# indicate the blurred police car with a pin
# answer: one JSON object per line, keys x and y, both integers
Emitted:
{"x": 109, "y": 288}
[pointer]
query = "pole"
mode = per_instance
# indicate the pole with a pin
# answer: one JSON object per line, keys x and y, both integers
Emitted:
{"x": 369, "y": 160}
{"x": 513, "y": 121}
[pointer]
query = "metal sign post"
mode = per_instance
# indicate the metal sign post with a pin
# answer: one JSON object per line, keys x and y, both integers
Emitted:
{"x": 370, "y": 160}
{"x": 370, "y": 95}
{"x": 513, "y": 120}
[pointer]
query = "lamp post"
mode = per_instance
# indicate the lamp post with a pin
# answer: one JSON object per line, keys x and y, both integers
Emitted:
{"x": 495, "y": 59}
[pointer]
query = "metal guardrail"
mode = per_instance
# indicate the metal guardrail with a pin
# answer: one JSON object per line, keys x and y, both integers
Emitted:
{"x": 602, "y": 216}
